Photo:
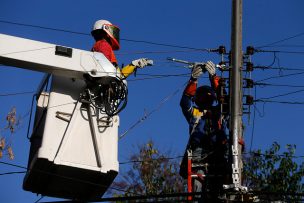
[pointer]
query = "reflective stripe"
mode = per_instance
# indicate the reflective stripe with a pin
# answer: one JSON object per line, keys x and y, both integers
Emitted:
{"x": 196, "y": 112}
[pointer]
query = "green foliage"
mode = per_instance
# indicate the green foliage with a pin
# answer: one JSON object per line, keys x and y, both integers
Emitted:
{"x": 152, "y": 173}
{"x": 273, "y": 173}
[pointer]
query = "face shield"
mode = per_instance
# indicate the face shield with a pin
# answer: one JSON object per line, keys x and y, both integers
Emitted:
{"x": 113, "y": 33}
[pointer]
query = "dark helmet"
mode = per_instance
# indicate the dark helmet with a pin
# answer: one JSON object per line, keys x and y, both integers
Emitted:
{"x": 204, "y": 96}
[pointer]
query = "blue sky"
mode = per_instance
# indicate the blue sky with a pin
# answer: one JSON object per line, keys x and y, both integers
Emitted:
{"x": 196, "y": 24}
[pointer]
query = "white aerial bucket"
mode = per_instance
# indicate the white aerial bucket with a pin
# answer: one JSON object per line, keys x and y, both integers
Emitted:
{"x": 68, "y": 158}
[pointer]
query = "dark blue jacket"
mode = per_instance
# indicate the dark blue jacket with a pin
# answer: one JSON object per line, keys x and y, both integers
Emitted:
{"x": 210, "y": 131}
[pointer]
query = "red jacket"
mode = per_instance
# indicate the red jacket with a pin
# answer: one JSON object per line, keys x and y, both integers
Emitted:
{"x": 104, "y": 47}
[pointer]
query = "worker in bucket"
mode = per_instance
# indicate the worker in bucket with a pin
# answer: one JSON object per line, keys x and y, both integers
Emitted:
{"x": 207, "y": 129}
{"x": 106, "y": 36}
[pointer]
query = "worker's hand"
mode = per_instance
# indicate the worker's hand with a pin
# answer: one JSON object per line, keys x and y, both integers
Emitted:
{"x": 210, "y": 67}
{"x": 142, "y": 62}
{"x": 197, "y": 70}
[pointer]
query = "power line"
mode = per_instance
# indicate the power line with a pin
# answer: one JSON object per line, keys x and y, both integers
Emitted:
{"x": 142, "y": 197}
{"x": 28, "y": 50}
{"x": 281, "y": 76}
{"x": 87, "y": 34}
{"x": 64, "y": 177}
{"x": 282, "y": 40}
{"x": 13, "y": 172}
{"x": 150, "y": 160}
{"x": 272, "y": 155}
{"x": 279, "y": 102}
{"x": 281, "y": 95}
{"x": 39, "y": 199}
{"x": 148, "y": 114}
{"x": 278, "y": 85}
{"x": 16, "y": 93}
{"x": 278, "y": 68}
{"x": 156, "y": 52}
{"x": 14, "y": 165}
{"x": 141, "y": 74}
{"x": 287, "y": 45}
{"x": 42, "y": 27}
{"x": 281, "y": 51}
{"x": 168, "y": 45}
{"x": 160, "y": 76}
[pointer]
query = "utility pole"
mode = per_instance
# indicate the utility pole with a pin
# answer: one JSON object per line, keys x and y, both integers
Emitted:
{"x": 236, "y": 95}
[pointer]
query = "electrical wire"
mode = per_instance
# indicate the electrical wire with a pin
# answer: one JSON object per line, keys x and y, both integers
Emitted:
{"x": 150, "y": 160}
{"x": 281, "y": 51}
{"x": 287, "y": 45}
{"x": 156, "y": 52}
{"x": 143, "y": 198}
{"x": 159, "y": 77}
{"x": 281, "y": 76}
{"x": 278, "y": 68}
{"x": 170, "y": 194}
{"x": 14, "y": 165}
{"x": 196, "y": 198}
{"x": 168, "y": 45}
{"x": 281, "y": 40}
{"x": 16, "y": 93}
{"x": 64, "y": 177}
{"x": 42, "y": 27}
{"x": 278, "y": 85}
{"x": 153, "y": 197}
{"x": 28, "y": 50}
{"x": 39, "y": 199}
{"x": 148, "y": 114}
{"x": 153, "y": 76}
{"x": 279, "y": 102}
{"x": 87, "y": 34}
{"x": 13, "y": 172}
{"x": 271, "y": 155}
{"x": 281, "y": 95}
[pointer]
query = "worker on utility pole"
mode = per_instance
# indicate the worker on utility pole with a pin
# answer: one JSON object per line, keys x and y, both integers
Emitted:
{"x": 207, "y": 129}
{"x": 106, "y": 36}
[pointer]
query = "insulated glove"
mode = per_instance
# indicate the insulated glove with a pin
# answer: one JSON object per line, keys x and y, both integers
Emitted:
{"x": 197, "y": 70}
{"x": 142, "y": 62}
{"x": 210, "y": 67}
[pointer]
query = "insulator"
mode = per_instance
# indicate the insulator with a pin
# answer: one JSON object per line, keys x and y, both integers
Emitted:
{"x": 250, "y": 50}
{"x": 222, "y": 63}
{"x": 249, "y": 67}
{"x": 222, "y": 50}
{"x": 249, "y": 100}
{"x": 249, "y": 83}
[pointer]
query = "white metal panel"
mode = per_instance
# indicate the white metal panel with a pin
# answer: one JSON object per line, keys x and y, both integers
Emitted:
{"x": 72, "y": 144}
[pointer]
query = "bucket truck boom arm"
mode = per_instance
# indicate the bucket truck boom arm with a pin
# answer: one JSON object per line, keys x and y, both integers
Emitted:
{"x": 102, "y": 77}
{"x": 54, "y": 59}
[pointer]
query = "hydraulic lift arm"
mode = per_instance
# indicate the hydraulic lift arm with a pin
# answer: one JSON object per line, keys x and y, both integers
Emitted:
{"x": 105, "y": 88}
{"x": 54, "y": 59}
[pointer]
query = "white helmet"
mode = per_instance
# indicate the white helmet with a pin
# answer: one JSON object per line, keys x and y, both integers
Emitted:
{"x": 111, "y": 30}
